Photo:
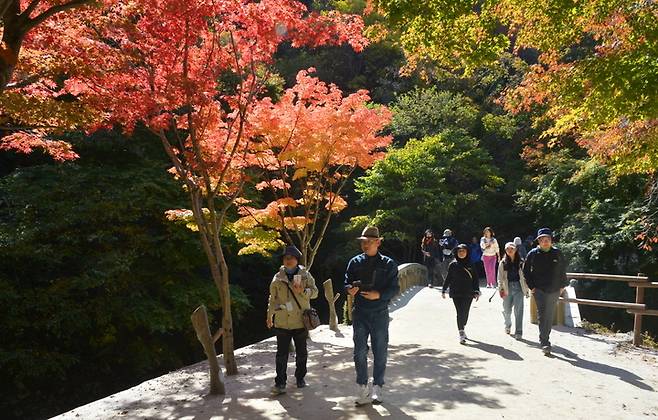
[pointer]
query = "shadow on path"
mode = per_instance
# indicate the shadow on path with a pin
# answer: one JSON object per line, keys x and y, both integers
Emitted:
{"x": 494, "y": 349}
{"x": 568, "y": 356}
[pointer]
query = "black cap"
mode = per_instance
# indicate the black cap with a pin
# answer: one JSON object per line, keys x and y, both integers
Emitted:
{"x": 293, "y": 252}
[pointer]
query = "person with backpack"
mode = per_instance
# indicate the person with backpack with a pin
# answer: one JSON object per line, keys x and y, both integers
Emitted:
{"x": 545, "y": 272}
{"x": 512, "y": 288}
{"x": 429, "y": 246}
{"x": 447, "y": 245}
{"x": 372, "y": 280}
{"x": 490, "y": 254}
{"x": 463, "y": 286}
{"x": 291, "y": 291}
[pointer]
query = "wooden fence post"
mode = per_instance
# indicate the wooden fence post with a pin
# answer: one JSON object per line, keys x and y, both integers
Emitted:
{"x": 637, "y": 321}
{"x": 331, "y": 300}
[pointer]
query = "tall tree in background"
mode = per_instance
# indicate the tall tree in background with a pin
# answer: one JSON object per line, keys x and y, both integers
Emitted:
{"x": 595, "y": 77}
{"x": 192, "y": 73}
{"x": 309, "y": 144}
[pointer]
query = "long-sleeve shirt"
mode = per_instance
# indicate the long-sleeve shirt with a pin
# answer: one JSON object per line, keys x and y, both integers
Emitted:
{"x": 461, "y": 280}
{"x": 378, "y": 273}
{"x": 546, "y": 270}
{"x": 490, "y": 250}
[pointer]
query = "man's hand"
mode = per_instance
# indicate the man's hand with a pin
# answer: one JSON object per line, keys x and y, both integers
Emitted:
{"x": 371, "y": 295}
{"x": 533, "y": 290}
{"x": 269, "y": 323}
{"x": 353, "y": 290}
{"x": 502, "y": 294}
{"x": 476, "y": 296}
{"x": 561, "y": 290}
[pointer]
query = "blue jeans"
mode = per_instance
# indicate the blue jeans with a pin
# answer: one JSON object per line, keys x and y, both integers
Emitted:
{"x": 375, "y": 325}
{"x": 546, "y": 305}
{"x": 514, "y": 300}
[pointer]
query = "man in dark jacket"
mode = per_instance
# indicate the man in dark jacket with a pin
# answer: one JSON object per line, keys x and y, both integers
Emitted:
{"x": 372, "y": 279}
{"x": 545, "y": 271}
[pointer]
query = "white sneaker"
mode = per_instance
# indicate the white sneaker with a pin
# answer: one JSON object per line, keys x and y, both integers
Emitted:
{"x": 376, "y": 396}
{"x": 363, "y": 395}
{"x": 462, "y": 337}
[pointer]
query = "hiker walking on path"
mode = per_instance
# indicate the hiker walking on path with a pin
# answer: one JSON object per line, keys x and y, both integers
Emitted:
{"x": 545, "y": 271}
{"x": 490, "y": 253}
{"x": 475, "y": 255}
{"x": 429, "y": 246}
{"x": 291, "y": 291}
{"x": 520, "y": 248}
{"x": 447, "y": 244}
{"x": 372, "y": 279}
{"x": 512, "y": 288}
{"x": 463, "y": 287}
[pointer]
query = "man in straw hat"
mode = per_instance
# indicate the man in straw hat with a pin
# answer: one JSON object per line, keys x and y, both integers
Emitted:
{"x": 372, "y": 279}
{"x": 545, "y": 271}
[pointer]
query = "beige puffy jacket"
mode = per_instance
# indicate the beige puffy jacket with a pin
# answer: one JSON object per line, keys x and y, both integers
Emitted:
{"x": 287, "y": 314}
{"x": 503, "y": 283}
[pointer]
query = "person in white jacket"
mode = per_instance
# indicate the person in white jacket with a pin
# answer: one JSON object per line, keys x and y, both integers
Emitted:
{"x": 490, "y": 253}
{"x": 513, "y": 288}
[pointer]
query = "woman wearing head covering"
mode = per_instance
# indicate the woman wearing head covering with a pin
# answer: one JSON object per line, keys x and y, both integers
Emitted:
{"x": 463, "y": 286}
{"x": 512, "y": 288}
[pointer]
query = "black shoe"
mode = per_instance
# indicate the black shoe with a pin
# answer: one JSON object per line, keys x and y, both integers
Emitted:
{"x": 301, "y": 383}
{"x": 278, "y": 389}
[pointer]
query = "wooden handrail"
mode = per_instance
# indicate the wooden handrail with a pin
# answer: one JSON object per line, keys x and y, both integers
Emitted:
{"x": 652, "y": 312}
{"x": 612, "y": 277}
{"x": 653, "y": 285}
{"x": 605, "y": 303}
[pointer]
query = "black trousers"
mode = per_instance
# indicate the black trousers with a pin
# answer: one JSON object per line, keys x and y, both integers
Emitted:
{"x": 283, "y": 338}
{"x": 463, "y": 306}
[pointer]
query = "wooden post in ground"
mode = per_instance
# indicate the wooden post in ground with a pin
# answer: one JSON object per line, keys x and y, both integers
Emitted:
{"x": 637, "y": 322}
{"x": 350, "y": 301}
{"x": 202, "y": 328}
{"x": 331, "y": 300}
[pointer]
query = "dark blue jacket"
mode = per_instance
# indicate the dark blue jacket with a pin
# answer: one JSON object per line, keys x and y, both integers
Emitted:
{"x": 546, "y": 271}
{"x": 474, "y": 253}
{"x": 378, "y": 273}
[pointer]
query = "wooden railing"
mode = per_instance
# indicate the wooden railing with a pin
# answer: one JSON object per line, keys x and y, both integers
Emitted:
{"x": 637, "y": 309}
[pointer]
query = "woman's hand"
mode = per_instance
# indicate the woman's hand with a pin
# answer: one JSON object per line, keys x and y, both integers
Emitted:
{"x": 502, "y": 293}
{"x": 269, "y": 323}
{"x": 298, "y": 288}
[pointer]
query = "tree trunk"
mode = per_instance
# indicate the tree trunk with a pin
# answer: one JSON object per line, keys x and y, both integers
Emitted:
{"x": 12, "y": 39}
{"x": 227, "y": 317}
{"x": 202, "y": 328}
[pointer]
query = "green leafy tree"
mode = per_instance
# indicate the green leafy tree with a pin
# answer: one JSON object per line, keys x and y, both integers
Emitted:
{"x": 97, "y": 286}
{"x": 431, "y": 181}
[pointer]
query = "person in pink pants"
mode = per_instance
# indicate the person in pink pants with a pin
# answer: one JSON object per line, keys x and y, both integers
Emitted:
{"x": 490, "y": 255}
